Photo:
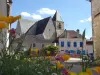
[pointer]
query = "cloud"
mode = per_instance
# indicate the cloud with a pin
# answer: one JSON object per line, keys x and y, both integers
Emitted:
{"x": 86, "y": 20}
{"x": 87, "y": 37}
{"x": 46, "y": 11}
{"x": 25, "y": 14}
{"x": 33, "y": 16}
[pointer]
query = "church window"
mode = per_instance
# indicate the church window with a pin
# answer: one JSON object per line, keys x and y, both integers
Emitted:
{"x": 59, "y": 26}
{"x": 34, "y": 45}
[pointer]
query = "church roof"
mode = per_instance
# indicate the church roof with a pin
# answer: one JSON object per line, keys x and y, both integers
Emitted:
{"x": 38, "y": 27}
{"x": 57, "y": 17}
{"x": 24, "y": 24}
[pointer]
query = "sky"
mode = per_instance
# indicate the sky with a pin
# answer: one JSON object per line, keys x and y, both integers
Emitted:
{"x": 76, "y": 14}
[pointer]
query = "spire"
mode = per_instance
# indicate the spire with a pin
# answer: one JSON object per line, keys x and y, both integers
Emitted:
{"x": 57, "y": 17}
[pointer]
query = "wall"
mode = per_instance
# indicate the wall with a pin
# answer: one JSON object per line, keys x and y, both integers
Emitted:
{"x": 3, "y": 12}
{"x": 96, "y": 26}
{"x": 89, "y": 48}
{"x": 78, "y": 40}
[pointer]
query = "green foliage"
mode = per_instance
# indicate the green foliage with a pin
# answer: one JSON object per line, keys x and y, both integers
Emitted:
{"x": 51, "y": 48}
{"x": 19, "y": 64}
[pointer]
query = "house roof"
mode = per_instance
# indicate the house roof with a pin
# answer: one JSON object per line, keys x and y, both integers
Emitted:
{"x": 25, "y": 24}
{"x": 57, "y": 17}
{"x": 68, "y": 34}
{"x": 38, "y": 27}
{"x": 89, "y": 42}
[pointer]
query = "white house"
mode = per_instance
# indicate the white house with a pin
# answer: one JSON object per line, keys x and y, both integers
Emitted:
{"x": 71, "y": 41}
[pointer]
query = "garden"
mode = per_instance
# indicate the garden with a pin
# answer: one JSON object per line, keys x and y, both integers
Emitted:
{"x": 48, "y": 61}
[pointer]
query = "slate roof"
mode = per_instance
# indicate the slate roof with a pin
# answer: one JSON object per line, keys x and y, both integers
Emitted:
{"x": 38, "y": 27}
{"x": 57, "y": 17}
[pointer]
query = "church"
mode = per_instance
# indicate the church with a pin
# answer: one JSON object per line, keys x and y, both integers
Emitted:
{"x": 44, "y": 32}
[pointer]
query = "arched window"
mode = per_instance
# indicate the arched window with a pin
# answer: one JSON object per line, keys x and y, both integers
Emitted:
{"x": 59, "y": 26}
{"x": 34, "y": 45}
{"x": 42, "y": 45}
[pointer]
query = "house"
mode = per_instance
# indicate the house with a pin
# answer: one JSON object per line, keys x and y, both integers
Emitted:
{"x": 71, "y": 42}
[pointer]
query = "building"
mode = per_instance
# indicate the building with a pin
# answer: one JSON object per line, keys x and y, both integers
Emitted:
{"x": 47, "y": 31}
{"x": 89, "y": 46}
{"x": 42, "y": 32}
{"x": 96, "y": 26}
{"x": 71, "y": 42}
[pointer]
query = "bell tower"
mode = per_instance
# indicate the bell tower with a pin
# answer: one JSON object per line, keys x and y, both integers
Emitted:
{"x": 58, "y": 23}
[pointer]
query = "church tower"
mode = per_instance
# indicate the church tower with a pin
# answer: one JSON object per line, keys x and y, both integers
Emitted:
{"x": 58, "y": 23}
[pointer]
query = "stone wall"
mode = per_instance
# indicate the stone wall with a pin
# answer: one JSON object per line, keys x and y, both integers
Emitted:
{"x": 96, "y": 26}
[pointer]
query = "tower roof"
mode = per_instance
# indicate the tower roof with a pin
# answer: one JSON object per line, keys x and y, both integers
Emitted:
{"x": 57, "y": 17}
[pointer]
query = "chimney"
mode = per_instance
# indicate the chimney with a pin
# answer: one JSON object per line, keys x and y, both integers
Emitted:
{"x": 78, "y": 32}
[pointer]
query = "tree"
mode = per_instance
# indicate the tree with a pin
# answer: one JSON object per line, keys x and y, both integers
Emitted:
{"x": 50, "y": 49}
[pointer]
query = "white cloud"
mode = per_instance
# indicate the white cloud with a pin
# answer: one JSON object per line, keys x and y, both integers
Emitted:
{"x": 46, "y": 11}
{"x": 86, "y": 20}
{"x": 87, "y": 37}
{"x": 33, "y": 16}
{"x": 25, "y": 14}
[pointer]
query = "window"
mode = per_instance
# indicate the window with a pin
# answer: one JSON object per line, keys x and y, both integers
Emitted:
{"x": 42, "y": 45}
{"x": 59, "y": 26}
{"x": 81, "y": 44}
{"x": 72, "y": 51}
{"x": 68, "y": 44}
{"x": 62, "y": 44}
{"x": 83, "y": 52}
{"x": 78, "y": 52}
{"x": 34, "y": 45}
{"x": 75, "y": 44}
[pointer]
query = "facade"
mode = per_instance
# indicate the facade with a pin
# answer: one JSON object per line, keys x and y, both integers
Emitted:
{"x": 71, "y": 42}
{"x": 89, "y": 46}
{"x": 42, "y": 32}
{"x": 96, "y": 26}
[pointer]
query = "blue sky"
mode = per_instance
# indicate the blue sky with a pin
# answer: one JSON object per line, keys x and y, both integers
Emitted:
{"x": 75, "y": 13}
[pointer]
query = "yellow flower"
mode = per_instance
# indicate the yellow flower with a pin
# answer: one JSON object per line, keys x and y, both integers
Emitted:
{"x": 72, "y": 73}
{"x": 65, "y": 57}
{"x": 48, "y": 52}
{"x": 59, "y": 65}
{"x": 3, "y": 25}
{"x": 49, "y": 57}
{"x": 97, "y": 69}
{"x": 83, "y": 73}
{"x": 54, "y": 67}
{"x": 89, "y": 71}
{"x": 37, "y": 50}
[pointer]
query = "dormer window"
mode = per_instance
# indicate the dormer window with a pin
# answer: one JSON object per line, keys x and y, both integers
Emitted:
{"x": 59, "y": 26}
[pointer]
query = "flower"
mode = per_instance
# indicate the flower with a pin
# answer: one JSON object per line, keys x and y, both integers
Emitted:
{"x": 66, "y": 71}
{"x": 89, "y": 71}
{"x": 3, "y": 25}
{"x": 37, "y": 50}
{"x": 65, "y": 57}
{"x": 97, "y": 69}
{"x": 54, "y": 67}
{"x": 59, "y": 65}
{"x": 48, "y": 52}
{"x": 73, "y": 73}
{"x": 49, "y": 57}
{"x": 83, "y": 73}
